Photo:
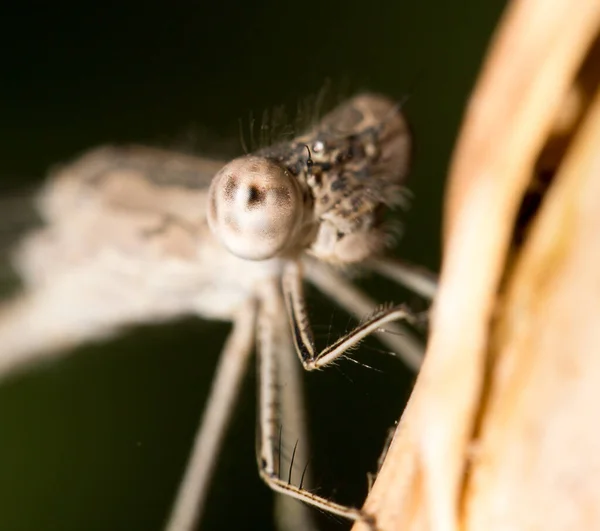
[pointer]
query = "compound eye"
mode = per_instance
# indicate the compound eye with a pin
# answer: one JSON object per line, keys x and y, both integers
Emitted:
{"x": 255, "y": 208}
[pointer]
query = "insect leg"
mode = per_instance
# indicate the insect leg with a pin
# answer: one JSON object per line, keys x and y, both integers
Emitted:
{"x": 291, "y": 514}
{"x": 302, "y": 333}
{"x": 224, "y": 391}
{"x": 401, "y": 340}
{"x": 417, "y": 279}
{"x": 269, "y": 345}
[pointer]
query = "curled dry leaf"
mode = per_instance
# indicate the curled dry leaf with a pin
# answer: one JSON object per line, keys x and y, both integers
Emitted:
{"x": 500, "y": 431}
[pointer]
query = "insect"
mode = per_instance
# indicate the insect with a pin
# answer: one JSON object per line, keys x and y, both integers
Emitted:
{"x": 137, "y": 235}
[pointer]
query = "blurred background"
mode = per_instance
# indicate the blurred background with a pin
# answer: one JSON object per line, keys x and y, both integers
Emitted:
{"x": 98, "y": 440}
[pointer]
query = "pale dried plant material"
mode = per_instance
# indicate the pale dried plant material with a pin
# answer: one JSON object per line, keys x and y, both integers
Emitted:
{"x": 501, "y": 430}
{"x": 136, "y": 235}
{"x": 538, "y": 458}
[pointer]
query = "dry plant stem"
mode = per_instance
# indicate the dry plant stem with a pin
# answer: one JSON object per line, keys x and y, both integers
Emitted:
{"x": 529, "y": 69}
{"x": 538, "y": 465}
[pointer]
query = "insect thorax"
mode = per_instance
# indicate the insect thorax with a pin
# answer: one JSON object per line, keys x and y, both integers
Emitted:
{"x": 360, "y": 155}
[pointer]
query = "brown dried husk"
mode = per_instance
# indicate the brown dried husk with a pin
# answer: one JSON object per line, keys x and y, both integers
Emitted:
{"x": 501, "y": 431}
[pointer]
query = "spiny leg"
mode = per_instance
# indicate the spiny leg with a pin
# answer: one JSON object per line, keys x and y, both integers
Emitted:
{"x": 401, "y": 340}
{"x": 290, "y": 514}
{"x": 269, "y": 352}
{"x": 302, "y": 333}
{"x": 221, "y": 401}
{"x": 357, "y": 303}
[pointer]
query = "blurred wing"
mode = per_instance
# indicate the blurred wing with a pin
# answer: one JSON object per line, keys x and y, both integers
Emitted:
{"x": 118, "y": 244}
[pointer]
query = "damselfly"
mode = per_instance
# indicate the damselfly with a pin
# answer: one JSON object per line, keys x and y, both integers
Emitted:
{"x": 136, "y": 235}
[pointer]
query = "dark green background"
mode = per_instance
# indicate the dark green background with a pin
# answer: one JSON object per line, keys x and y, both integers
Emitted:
{"x": 97, "y": 441}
